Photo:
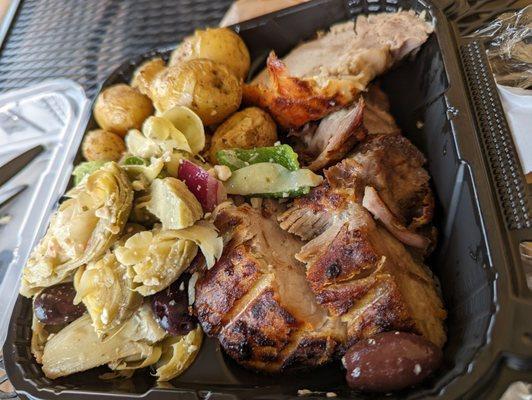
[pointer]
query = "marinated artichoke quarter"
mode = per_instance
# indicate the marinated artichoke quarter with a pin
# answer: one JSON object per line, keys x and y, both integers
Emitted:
{"x": 157, "y": 258}
{"x": 178, "y": 352}
{"x": 78, "y": 348}
{"x": 173, "y": 204}
{"x": 107, "y": 289}
{"x": 81, "y": 230}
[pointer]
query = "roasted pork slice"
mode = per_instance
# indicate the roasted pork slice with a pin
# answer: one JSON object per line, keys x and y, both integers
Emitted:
{"x": 368, "y": 279}
{"x": 294, "y": 101}
{"x": 328, "y": 73}
{"x": 256, "y": 299}
{"x": 377, "y": 117}
{"x": 386, "y": 173}
{"x": 322, "y": 144}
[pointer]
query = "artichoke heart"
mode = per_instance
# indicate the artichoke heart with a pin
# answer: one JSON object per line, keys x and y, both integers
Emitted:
{"x": 142, "y": 175}
{"x": 139, "y": 211}
{"x": 81, "y": 230}
{"x": 205, "y": 235}
{"x": 78, "y": 348}
{"x": 173, "y": 204}
{"x": 157, "y": 258}
{"x": 188, "y": 123}
{"x": 158, "y": 136}
{"x": 178, "y": 352}
{"x": 165, "y": 134}
{"x": 106, "y": 288}
{"x": 141, "y": 146}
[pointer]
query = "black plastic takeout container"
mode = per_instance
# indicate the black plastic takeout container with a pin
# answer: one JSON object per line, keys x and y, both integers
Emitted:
{"x": 444, "y": 99}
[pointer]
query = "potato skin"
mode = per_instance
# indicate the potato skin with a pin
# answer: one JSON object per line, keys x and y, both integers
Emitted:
{"x": 216, "y": 44}
{"x": 146, "y": 73}
{"x": 251, "y": 127}
{"x": 120, "y": 108}
{"x": 101, "y": 145}
{"x": 208, "y": 88}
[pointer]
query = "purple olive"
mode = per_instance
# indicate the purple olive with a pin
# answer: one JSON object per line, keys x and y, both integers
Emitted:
{"x": 170, "y": 307}
{"x": 55, "y": 305}
{"x": 390, "y": 361}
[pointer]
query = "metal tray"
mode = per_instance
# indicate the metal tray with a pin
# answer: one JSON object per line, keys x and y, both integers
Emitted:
{"x": 444, "y": 100}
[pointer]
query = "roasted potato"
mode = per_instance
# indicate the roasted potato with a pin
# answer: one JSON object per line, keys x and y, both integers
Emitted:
{"x": 245, "y": 129}
{"x": 216, "y": 44}
{"x": 120, "y": 108}
{"x": 206, "y": 87}
{"x": 146, "y": 73}
{"x": 101, "y": 145}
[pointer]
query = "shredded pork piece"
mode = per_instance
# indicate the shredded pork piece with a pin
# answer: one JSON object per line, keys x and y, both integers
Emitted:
{"x": 330, "y": 140}
{"x": 328, "y": 73}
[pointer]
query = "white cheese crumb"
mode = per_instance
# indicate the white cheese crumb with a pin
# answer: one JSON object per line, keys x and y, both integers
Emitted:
{"x": 417, "y": 369}
{"x": 182, "y": 286}
{"x": 356, "y": 372}
{"x": 397, "y": 332}
{"x": 419, "y": 124}
{"x": 371, "y": 341}
{"x": 330, "y": 394}
{"x": 278, "y": 143}
{"x": 304, "y": 392}
{"x": 153, "y": 281}
{"x": 222, "y": 172}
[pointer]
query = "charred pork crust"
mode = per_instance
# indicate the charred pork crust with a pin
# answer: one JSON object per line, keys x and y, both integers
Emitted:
{"x": 256, "y": 299}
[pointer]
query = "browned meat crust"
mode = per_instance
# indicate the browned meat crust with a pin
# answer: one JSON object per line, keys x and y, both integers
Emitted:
{"x": 388, "y": 163}
{"x": 377, "y": 117}
{"x": 328, "y": 73}
{"x": 358, "y": 269}
{"x": 371, "y": 281}
{"x": 321, "y": 144}
{"x": 257, "y": 301}
{"x": 294, "y": 101}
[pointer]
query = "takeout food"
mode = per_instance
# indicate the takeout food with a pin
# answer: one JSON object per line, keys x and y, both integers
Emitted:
{"x": 245, "y": 129}
{"x": 208, "y": 88}
{"x": 217, "y": 44}
{"x": 119, "y": 108}
{"x": 291, "y": 254}
{"x": 100, "y": 145}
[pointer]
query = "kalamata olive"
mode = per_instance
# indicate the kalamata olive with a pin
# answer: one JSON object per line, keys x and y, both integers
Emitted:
{"x": 390, "y": 361}
{"x": 55, "y": 305}
{"x": 170, "y": 307}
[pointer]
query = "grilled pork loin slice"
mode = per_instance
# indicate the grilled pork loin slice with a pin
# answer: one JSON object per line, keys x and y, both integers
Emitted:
{"x": 401, "y": 196}
{"x": 360, "y": 269}
{"x": 257, "y": 301}
{"x": 328, "y": 73}
{"x": 367, "y": 278}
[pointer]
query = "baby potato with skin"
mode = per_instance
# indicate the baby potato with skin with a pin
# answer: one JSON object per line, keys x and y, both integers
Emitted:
{"x": 101, "y": 145}
{"x": 206, "y": 87}
{"x": 120, "y": 108}
{"x": 216, "y": 44}
{"x": 146, "y": 73}
{"x": 246, "y": 129}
